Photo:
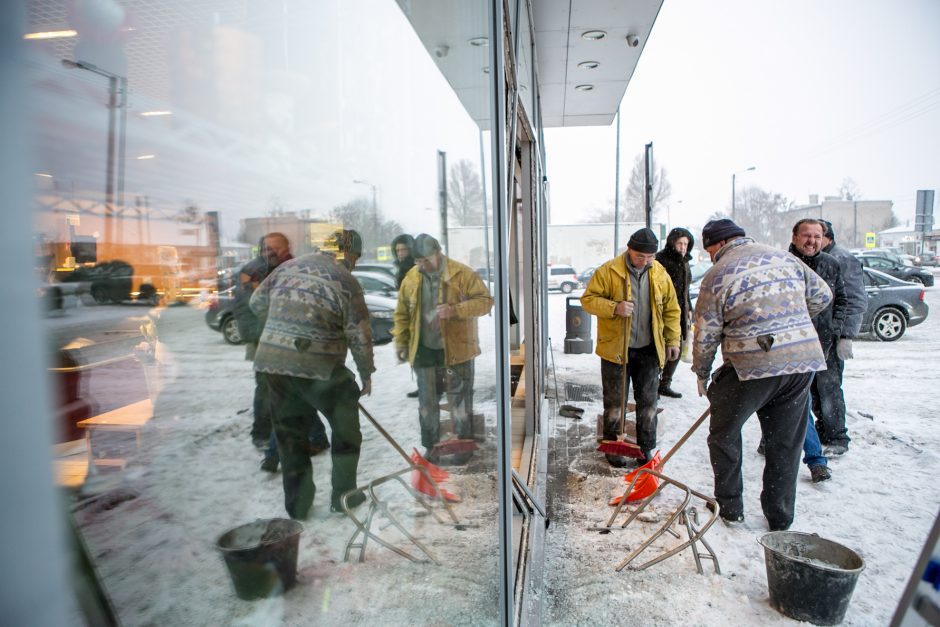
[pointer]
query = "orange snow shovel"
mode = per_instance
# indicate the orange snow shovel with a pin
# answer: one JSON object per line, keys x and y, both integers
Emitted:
{"x": 647, "y": 483}
{"x": 620, "y": 446}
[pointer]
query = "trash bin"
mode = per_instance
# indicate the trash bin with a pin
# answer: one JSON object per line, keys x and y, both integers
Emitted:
{"x": 810, "y": 578}
{"x": 577, "y": 328}
{"x": 261, "y": 557}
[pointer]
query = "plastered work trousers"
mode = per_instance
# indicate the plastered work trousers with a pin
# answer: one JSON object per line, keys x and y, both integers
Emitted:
{"x": 643, "y": 372}
{"x": 780, "y": 403}
{"x": 829, "y": 402}
{"x": 293, "y": 399}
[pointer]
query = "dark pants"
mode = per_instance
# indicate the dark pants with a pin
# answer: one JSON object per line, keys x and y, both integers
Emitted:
{"x": 293, "y": 400}
{"x": 668, "y": 371}
{"x": 457, "y": 380}
{"x": 261, "y": 425}
{"x": 316, "y": 435}
{"x": 643, "y": 371}
{"x": 780, "y": 403}
{"x": 829, "y": 402}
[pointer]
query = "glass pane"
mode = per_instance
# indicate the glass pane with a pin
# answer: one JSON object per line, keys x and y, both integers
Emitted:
{"x": 195, "y": 162}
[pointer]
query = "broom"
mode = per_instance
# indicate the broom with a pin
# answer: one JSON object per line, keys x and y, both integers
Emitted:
{"x": 619, "y": 446}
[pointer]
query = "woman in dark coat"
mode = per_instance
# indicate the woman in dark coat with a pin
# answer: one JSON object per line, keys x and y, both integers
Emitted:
{"x": 402, "y": 248}
{"x": 675, "y": 258}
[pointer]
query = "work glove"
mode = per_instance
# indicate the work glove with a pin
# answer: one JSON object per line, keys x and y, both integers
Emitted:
{"x": 702, "y": 387}
{"x": 844, "y": 349}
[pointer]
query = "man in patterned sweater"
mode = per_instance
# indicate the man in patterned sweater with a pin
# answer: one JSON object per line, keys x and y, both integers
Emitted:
{"x": 757, "y": 304}
{"x": 315, "y": 311}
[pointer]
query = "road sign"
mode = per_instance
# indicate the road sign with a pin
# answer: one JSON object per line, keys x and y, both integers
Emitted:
{"x": 869, "y": 240}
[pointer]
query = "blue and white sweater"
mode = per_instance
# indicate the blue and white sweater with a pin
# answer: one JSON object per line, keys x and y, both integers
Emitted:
{"x": 756, "y": 291}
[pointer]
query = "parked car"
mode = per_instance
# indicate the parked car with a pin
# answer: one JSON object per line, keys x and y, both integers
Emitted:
{"x": 903, "y": 272}
{"x": 376, "y": 283}
{"x": 928, "y": 258}
{"x": 887, "y": 253}
{"x": 893, "y": 305}
{"x": 219, "y": 316}
{"x": 585, "y": 277}
{"x": 376, "y": 266}
{"x": 562, "y": 278}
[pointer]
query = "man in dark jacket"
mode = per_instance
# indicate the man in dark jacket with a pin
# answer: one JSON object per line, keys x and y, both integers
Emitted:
{"x": 675, "y": 257}
{"x": 852, "y": 277}
{"x": 827, "y": 386}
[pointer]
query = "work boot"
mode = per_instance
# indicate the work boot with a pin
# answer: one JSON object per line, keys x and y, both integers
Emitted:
{"x": 269, "y": 464}
{"x": 760, "y": 447}
{"x": 412, "y": 394}
{"x": 354, "y": 501}
{"x": 617, "y": 461}
{"x": 729, "y": 520}
{"x": 665, "y": 390}
{"x": 820, "y": 473}
{"x": 835, "y": 450}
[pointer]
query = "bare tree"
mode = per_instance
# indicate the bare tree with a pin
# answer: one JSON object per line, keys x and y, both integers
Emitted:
{"x": 849, "y": 189}
{"x": 760, "y": 213}
{"x": 633, "y": 207}
{"x": 369, "y": 221}
{"x": 465, "y": 194}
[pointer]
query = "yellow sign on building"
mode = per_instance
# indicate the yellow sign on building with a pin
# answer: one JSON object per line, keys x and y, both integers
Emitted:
{"x": 869, "y": 240}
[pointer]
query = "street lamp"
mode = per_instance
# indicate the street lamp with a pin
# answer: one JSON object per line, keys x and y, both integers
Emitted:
{"x": 733, "y": 200}
{"x": 117, "y": 84}
{"x": 375, "y": 207}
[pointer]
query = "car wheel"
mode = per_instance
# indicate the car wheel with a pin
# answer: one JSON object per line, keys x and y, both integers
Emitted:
{"x": 230, "y": 330}
{"x": 148, "y": 294}
{"x": 889, "y": 324}
{"x": 100, "y": 294}
{"x": 566, "y": 288}
{"x": 920, "y": 280}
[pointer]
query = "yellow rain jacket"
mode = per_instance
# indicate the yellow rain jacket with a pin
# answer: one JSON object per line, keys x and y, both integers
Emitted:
{"x": 609, "y": 286}
{"x": 460, "y": 287}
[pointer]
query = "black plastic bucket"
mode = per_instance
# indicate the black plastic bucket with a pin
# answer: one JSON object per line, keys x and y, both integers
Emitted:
{"x": 810, "y": 578}
{"x": 261, "y": 556}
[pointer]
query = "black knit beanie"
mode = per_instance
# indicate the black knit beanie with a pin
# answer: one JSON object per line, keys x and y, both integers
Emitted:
{"x": 643, "y": 241}
{"x": 718, "y": 230}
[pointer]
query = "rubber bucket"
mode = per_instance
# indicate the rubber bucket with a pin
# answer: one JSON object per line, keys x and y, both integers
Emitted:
{"x": 261, "y": 557}
{"x": 810, "y": 578}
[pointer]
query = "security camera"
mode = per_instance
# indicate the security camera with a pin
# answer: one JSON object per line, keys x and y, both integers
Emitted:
{"x": 633, "y": 41}
{"x": 441, "y": 51}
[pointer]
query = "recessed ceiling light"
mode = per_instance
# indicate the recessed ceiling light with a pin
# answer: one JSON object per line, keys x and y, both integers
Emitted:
{"x": 486, "y": 69}
{"x": 588, "y": 65}
{"x": 145, "y": 157}
{"x": 594, "y": 35}
{"x": 479, "y": 42}
{"x": 584, "y": 87}
{"x": 150, "y": 114}
{"x": 43, "y": 175}
{"x": 52, "y": 34}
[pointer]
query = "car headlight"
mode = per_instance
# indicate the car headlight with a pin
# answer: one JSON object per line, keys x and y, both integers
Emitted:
{"x": 385, "y": 314}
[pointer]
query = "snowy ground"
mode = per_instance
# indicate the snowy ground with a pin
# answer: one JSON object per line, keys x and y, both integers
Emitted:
{"x": 151, "y": 530}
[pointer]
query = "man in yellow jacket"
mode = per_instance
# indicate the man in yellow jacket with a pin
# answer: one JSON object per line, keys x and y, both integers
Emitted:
{"x": 638, "y": 328}
{"x": 436, "y": 332}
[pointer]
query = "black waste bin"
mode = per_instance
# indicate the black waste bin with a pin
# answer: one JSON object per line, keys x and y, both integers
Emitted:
{"x": 577, "y": 328}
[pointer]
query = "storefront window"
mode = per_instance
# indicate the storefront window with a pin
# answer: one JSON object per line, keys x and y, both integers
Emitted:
{"x": 170, "y": 140}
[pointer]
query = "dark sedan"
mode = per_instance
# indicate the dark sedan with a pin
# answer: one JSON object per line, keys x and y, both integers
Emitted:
{"x": 898, "y": 271}
{"x": 893, "y": 305}
{"x": 219, "y": 316}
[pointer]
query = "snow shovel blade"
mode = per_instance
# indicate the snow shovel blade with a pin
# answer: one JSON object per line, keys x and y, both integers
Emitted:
{"x": 454, "y": 447}
{"x": 644, "y": 486}
{"x": 437, "y": 473}
{"x": 620, "y": 447}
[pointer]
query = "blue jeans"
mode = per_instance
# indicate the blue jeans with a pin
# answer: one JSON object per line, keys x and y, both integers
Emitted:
{"x": 812, "y": 448}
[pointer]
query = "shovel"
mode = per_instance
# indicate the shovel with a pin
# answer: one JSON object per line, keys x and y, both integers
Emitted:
{"x": 648, "y": 483}
{"x": 425, "y": 476}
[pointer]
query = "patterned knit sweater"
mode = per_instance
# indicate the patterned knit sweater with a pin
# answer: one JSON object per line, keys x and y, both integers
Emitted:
{"x": 315, "y": 310}
{"x": 757, "y": 303}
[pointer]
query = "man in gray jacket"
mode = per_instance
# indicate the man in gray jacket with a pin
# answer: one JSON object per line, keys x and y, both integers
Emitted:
{"x": 833, "y": 433}
{"x": 757, "y": 304}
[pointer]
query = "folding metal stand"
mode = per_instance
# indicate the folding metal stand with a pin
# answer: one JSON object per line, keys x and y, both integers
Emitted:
{"x": 683, "y": 515}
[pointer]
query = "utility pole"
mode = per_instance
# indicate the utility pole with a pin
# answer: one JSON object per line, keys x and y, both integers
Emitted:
{"x": 617, "y": 190}
{"x": 648, "y": 187}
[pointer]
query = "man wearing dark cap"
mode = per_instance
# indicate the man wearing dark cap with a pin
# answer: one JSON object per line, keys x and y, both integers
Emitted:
{"x": 638, "y": 328}
{"x": 314, "y": 313}
{"x": 832, "y": 432}
{"x": 436, "y": 332}
{"x": 757, "y": 304}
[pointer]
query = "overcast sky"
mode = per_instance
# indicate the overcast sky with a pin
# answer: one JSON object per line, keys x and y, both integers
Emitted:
{"x": 809, "y": 92}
